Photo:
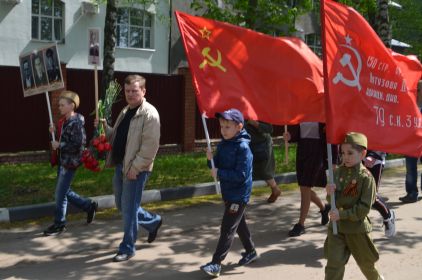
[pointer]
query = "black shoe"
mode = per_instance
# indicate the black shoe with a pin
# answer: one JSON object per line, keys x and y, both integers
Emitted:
{"x": 122, "y": 257}
{"x": 153, "y": 235}
{"x": 324, "y": 214}
{"x": 247, "y": 258}
{"x": 408, "y": 199}
{"x": 91, "y": 212}
{"x": 54, "y": 230}
{"x": 297, "y": 230}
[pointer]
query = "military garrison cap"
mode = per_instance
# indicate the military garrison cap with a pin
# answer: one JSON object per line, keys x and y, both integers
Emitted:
{"x": 356, "y": 138}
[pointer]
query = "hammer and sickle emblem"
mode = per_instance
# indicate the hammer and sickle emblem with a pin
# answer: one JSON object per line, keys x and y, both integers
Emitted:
{"x": 208, "y": 59}
{"x": 346, "y": 61}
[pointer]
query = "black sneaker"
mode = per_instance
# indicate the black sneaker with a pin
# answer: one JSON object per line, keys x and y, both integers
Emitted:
{"x": 54, "y": 230}
{"x": 408, "y": 199}
{"x": 153, "y": 235}
{"x": 91, "y": 212}
{"x": 324, "y": 214}
{"x": 247, "y": 258}
{"x": 297, "y": 230}
{"x": 212, "y": 269}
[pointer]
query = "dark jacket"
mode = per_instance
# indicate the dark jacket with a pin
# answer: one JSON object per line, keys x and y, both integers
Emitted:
{"x": 72, "y": 141}
{"x": 261, "y": 141}
{"x": 233, "y": 159}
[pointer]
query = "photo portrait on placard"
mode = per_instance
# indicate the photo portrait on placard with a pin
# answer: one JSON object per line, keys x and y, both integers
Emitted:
{"x": 38, "y": 68}
{"x": 52, "y": 65}
{"x": 40, "y": 71}
{"x": 94, "y": 46}
{"x": 26, "y": 73}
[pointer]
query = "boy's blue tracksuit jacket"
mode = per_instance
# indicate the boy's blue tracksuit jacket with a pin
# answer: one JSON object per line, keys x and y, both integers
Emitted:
{"x": 233, "y": 159}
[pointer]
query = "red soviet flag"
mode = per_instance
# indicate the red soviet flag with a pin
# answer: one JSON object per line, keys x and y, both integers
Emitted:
{"x": 276, "y": 80}
{"x": 369, "y": 88}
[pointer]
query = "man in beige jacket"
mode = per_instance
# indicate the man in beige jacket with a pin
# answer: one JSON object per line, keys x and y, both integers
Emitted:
{"x": 135, "y": 140}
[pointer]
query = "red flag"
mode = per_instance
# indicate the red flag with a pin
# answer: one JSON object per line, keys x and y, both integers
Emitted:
{"x": 276, "y": 80}
{"x": 369, "y": 88}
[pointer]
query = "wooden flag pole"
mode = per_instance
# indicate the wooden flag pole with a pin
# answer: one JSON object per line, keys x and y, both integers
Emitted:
{"x": 96, "y": 90}
{"x": 331, "y": 181}
{"x": 286, "y": 148}
{"x": 50, "y": 115}
{"x": 207, "y": 136}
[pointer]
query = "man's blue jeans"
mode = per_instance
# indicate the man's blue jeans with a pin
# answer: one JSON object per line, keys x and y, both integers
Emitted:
{"x": 65, "y": 194}
{"x": 128, "y": 195}
{"x": 412, "y": 177}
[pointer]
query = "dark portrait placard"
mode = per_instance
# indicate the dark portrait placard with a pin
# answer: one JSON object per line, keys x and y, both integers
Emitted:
{"x": 40, "y": 71}
{"x": 27, "y": 76}
{"x": 94, "y": 46}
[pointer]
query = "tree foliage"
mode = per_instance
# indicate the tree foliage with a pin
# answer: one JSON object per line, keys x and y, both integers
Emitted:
{"x": 367, "y": 8}
{"x": 274, "y": 17}
{"x": 110, "y": 33}
{"x": 407, "y": 25}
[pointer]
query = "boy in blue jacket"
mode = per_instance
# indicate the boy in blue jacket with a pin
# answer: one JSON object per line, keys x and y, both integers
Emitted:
{"x": 233, "y": 167}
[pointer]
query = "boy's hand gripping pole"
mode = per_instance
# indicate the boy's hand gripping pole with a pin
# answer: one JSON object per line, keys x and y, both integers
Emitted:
{"x": 207, "y": 136}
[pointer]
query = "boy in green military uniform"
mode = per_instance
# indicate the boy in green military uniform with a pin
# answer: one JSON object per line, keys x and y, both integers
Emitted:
{"x": 354, "y": 190}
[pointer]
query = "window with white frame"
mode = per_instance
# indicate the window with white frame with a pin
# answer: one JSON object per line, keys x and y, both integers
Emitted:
{"x": 314, "y": 42}
{"x": 47, "y": 20}
{"x": 134, "y": 28}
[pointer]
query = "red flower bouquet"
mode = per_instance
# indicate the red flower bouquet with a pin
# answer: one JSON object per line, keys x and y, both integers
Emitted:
{"x": 99, "y": 146}
{"x": 97, "y": 150}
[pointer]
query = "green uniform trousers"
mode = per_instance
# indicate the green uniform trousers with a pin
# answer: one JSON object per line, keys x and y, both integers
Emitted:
{"x": 337, "y": 250}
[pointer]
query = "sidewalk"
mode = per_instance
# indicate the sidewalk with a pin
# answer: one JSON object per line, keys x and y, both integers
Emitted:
{"x": 36, "y": 211}
{"x": 189, "y": 236}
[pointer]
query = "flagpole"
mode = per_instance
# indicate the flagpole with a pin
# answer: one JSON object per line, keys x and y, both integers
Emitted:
{"x": 286, "y": 148}
{"x": 207, "y": 136}
{"x": 50, "y": 115}
{"x": 329, "y": 151}
{"x": 96, "y": 90}
{"x": 331, "y": 181}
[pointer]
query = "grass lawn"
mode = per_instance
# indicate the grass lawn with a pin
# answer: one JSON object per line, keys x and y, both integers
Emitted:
{"x": 23, "y": 184}
{"x": 32, "y": 183}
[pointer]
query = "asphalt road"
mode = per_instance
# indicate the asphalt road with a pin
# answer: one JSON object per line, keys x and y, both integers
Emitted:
{"x": 189, "y": 236}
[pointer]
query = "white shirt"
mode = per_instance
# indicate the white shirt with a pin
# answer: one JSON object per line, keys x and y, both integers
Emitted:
{"x": 309, "y": 130}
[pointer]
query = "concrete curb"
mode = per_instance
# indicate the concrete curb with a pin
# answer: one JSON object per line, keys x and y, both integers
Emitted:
{"x": 36, "y": 211}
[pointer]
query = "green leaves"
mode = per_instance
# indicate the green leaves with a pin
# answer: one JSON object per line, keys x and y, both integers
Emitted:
{"x": 275, "y": 17}
{"x": 105, "y": 105}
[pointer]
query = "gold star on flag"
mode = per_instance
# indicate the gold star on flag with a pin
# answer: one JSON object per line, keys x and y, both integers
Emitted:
{"x": 205, "y": 33}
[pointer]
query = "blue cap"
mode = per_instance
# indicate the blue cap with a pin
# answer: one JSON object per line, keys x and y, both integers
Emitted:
{"x": 231, "y": 115}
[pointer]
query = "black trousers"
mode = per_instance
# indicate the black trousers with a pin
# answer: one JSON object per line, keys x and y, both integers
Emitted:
{"x": 233, "y": 222}
{"x": 379, "y": 203}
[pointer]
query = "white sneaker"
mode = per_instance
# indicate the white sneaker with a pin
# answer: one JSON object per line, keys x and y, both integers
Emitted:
{"x": 390, "y": 225}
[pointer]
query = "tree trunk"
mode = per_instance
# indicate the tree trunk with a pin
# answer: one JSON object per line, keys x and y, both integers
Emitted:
{"x": 110, "y": 27}
{"x": 383, "y": 27}
{"x": 250, "y": 14}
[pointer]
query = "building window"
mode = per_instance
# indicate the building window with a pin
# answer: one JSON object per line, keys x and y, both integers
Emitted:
{"x": 47, "y": 20}
{"x": 314, "y": 42}
{"x": 134, "y": 28}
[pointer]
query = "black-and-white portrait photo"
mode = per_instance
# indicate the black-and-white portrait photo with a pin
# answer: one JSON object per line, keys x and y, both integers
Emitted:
{"x": 52, "y": 65}
{"x": 38, "y": 68}
{"x": 26, "y": 73}
{"x": 94, "y": 46}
